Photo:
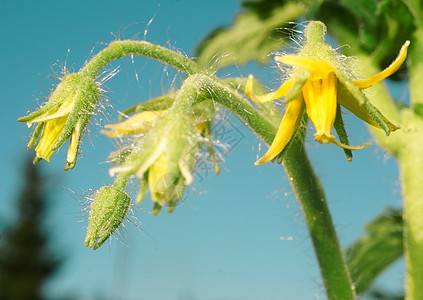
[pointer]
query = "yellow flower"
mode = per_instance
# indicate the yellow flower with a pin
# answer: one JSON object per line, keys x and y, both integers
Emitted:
{"x": 319, "y": 84}
{"x": 65, "y": 115}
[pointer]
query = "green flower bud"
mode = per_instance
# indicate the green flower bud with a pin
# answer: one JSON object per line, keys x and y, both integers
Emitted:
{"x": 65, "y": 115}
{"x": 108, "y": 211}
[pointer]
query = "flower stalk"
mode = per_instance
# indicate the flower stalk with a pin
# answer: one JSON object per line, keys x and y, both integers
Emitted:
{"x": 122, "y": 48}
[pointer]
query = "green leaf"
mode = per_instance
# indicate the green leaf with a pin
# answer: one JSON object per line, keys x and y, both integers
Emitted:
{"x": 365, "y": 10}
{"x": 418, "y": 109}
{"x": 396, "y": 24}
{"x": 256, "y": 32}
{"x": 377, "y": 27}
{"x": 379, "y": 294}
{"x": 376, "y": 250}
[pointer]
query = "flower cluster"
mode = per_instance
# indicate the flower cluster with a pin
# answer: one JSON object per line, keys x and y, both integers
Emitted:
{"x": 166, "y": 134}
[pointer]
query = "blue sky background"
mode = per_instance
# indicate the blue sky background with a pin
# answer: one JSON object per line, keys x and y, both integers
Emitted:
{"x": 240, "y": 235}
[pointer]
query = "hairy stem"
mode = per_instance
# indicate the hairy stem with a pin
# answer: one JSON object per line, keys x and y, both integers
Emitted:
{"x": 411, "y": 174}
{"x": 415, "y": 66}
{"x": 310, "y": 194}
{"x": 119, "y": 49}
{"x": 406, "y": 145}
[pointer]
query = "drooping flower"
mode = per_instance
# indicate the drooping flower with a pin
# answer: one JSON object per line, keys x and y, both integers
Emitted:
{"x": 319, "y": 85}
{"x": 162, "y": 159}
{"x": 65, "y": 115}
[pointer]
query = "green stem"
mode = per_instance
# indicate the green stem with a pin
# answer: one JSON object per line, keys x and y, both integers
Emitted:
{"x": 411, "y": 175}
{"x": 119, "y": 49}
{"x": 310, "y": 194}
{"x": 406, "y": 145}
{"x": 415, "y": 66}
{"x": 120, "y": 182}
{"x": 411, "y": 169}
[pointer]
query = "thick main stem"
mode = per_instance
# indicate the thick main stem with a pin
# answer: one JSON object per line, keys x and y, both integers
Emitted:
{"x": 411, "y": 166}
{"x": 411, "y": 174}
{"x": 406, "y": 144}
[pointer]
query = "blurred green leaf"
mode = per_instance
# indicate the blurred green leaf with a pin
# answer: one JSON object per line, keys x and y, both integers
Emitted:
{"x": 365, "y": 10}
{"x": 379, "y": 28}
{"x": 398, "y": 25}
{"x": 376, "y": 250}
{"x": 418, "y": 109}
{"x": 256, "y": 32}
{"x": 378, "y": 294}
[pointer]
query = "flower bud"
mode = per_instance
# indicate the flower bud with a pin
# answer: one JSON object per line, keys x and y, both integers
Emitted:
{"x": 65, "y": 115}
{"x": 108, "y": 211}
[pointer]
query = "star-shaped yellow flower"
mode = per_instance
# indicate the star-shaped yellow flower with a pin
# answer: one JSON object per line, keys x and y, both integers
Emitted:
{"x": 319, "y": 84}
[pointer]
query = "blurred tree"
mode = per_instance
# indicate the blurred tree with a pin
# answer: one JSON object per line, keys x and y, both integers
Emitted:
{"x": 26, "y": 262}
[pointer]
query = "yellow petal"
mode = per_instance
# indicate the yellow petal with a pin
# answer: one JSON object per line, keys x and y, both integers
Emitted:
{"x": 289, "y": 124}
{"x": 320, "y": 100}
{"x": 281, "y": 91}
{"x": 138, "y": 123}
{"x": 393, "y": 67}
{"x": 200, "y": 127}
{"x": 318, "y": 68}
{"x": 49, "y": 136}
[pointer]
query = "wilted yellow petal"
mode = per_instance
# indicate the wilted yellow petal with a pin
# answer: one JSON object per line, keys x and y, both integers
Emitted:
{"x": 61, "y": 111}
{"x": 289, "y": 124}
{"x": 281, "y": 91}
{"x": 138, "y": 123}
{"x": 318, "y": 68}
{"x": 393, "y": 67}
